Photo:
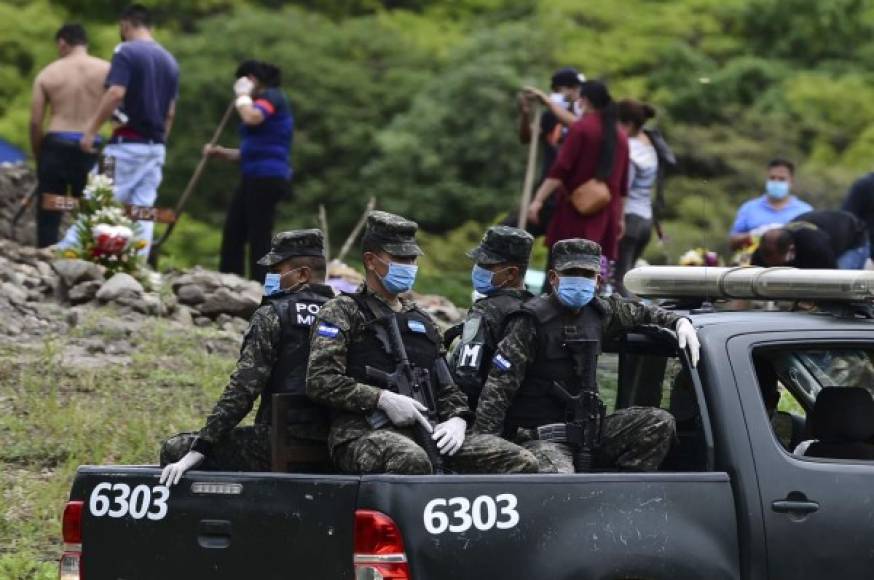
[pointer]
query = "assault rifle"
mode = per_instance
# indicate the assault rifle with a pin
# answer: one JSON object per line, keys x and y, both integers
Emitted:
{"x": 585, "y": 411}
{"x": 410, "y": 381}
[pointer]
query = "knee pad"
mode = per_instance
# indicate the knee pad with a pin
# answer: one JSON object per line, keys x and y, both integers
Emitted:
{"x": 174, "y": 448}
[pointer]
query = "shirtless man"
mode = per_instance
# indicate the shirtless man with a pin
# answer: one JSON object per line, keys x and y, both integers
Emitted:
{"x": 71, "y": 87}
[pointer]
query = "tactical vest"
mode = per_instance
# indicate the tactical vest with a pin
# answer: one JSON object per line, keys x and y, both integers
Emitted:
{"x": 471, "y": 360}
{"x": 296, "y": 311}
{"x": 371, "y": 346}
{"x": 534, "y": 403}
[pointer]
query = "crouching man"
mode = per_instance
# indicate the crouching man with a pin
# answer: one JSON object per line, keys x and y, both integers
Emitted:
{"x": 376, "y": 360}
{"x": 272, "y": 360}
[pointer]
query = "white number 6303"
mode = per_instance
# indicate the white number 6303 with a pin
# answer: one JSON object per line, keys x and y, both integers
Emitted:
{"x": 118, "y": 500}
{"x": 483, "y": 513}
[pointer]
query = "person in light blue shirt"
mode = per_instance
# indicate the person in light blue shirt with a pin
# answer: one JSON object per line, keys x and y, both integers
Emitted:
{"x": 774, "y": 208}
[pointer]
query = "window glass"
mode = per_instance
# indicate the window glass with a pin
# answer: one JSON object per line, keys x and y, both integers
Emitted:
{"x": 836, "y": 425}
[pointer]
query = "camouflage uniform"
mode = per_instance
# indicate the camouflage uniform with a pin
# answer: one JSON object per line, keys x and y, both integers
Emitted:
{"x": 226, "y": 446}
{"x": 483, "y": 327}
{"x": 637, "y": 438}
{"x": 341, "y": 328}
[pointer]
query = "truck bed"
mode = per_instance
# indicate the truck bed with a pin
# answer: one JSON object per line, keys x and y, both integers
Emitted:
{"x": 221, "y": 525}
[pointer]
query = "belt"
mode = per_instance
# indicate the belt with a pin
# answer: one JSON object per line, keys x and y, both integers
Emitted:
{"x": 65, "y": 140}
{"x": 119, "y": 140}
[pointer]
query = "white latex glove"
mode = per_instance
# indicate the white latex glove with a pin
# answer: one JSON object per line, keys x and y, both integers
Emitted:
{"x": 402, "y": 410}
{"x": 244, "y": 86}
{"x": 688, "y": 338}
{"x": 449, "y": 435}
{"x": 173, "y": 472}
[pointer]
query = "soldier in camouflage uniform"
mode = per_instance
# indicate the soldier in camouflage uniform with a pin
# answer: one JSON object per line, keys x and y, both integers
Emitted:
{"x": 501, "y": 260}
{"x": 516, "y": 398}
{"x": 347, "y": 338}
{"x": 272, "y": 360}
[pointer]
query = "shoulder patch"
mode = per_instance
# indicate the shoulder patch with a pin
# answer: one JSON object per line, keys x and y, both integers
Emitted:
{"x": 470, "y": 329}
{"x": 501, "y": 362}
{"x": 416, "y": 326}
{"x": 328, "y": 330}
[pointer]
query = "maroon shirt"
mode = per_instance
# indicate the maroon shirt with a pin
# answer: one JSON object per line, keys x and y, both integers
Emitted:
{"x": 577, "y": 163}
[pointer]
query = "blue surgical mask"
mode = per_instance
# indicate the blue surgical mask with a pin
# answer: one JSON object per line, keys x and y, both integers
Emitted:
{"x": 777, "y": 189}
{"x": 271, "y": 283}
{"x": 482, "y": 280}
{"x": 575, "y": 291}
{"x": 400, "y": 277}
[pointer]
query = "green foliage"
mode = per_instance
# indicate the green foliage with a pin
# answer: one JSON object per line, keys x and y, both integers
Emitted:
{"x": 413, "y": 101}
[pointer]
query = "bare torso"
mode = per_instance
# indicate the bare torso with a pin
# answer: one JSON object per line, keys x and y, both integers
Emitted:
{"x": 72, "y": 86}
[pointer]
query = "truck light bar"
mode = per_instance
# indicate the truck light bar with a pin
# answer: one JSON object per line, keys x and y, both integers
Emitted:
{"x": 751, "y": 283}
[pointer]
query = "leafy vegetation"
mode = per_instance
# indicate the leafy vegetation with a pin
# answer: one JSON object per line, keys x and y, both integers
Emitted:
{"x": 413, "y": 101}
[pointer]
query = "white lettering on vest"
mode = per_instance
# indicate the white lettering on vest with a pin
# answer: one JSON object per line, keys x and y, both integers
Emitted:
{"x": 470, "y": 355}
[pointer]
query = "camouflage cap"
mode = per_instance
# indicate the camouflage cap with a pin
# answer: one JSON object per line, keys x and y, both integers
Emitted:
{"x": 503, "y": 244}
{"x": 393, "y": 233}
{"x": 286, "y": 245}
{"x": 576, "y": 253}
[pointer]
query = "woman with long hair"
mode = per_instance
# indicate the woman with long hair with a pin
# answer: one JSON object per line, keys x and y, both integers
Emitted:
{"x": 266, "y": 131}
{"x": 642, "y": 176}
{"x": 595, "y": 148}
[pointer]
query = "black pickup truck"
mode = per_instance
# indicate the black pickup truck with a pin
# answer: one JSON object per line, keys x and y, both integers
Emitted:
{"x": 734, "y": 499}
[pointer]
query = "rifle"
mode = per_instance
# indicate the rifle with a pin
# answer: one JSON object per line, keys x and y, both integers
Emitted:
{"x": 410, "y": 381}
{"x": 585, "y": 411}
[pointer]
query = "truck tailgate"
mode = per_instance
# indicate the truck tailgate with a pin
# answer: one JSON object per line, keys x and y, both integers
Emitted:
{"x": 215, "y": 525}
{"x": 613, "y": 525}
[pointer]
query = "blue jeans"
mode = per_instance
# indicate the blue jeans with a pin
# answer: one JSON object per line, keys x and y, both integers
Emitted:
{"x": 855, "y": 258}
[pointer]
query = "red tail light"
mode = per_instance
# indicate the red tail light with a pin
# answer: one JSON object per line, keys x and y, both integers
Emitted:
{"x": 73, "y": 522}
{"x": 379, "y": 548}
{"x": 70, "y": 566}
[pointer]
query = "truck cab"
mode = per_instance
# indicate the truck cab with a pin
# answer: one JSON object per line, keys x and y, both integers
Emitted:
{"x": 739, "y": 495}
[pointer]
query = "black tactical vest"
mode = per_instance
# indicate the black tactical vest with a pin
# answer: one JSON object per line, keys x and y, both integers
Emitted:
{"x": 297, "y": 311}
{"x": 471, "y": 360}
{"x": 557, "y": 326}
{"x": 371, "y": 346}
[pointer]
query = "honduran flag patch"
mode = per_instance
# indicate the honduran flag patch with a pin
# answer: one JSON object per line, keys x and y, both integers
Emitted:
{"x": 416, "y": 326}
{"x": 328, "y": 330}
{"x": 501, "y": 362}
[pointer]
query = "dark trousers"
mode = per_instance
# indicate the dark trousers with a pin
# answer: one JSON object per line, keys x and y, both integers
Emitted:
{"x": 62, "y": 168}
{"x": 638, "y": 231}
{"x": 250, "y": 221}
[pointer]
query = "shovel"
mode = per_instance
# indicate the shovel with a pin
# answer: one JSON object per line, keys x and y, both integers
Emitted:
{"x": 192, "y": 183}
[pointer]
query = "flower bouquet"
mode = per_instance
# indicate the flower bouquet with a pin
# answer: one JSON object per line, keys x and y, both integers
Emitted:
{"x": 105, "y": 235}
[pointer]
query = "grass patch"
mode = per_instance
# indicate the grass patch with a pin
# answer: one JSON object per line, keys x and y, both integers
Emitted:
{"x": 64, "y": 406}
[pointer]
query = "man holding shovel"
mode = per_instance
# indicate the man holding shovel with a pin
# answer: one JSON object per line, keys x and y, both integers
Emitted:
{"x": 266, "y": 132}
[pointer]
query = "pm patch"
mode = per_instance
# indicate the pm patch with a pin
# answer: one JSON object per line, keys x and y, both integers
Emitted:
{"x": 416, "y": 326}
{"x": 328, "y": 330}
{"x": 501, "y": 363}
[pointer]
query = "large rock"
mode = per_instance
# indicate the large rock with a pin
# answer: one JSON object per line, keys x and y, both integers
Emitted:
{"x": 120, "y": 286}
{"x": 84, "y": 292}
{"x": 190, "y": 294}
{"x": 73, "y": 272}
{"x": 205, "y": 279}
{"x": 223, "y": 300}
{"x": 15, "y": 294}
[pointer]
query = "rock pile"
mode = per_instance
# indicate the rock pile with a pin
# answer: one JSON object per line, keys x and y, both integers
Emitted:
{"x": 38, "y": 291}
{"x": 211, "y": 296}
{"x": 16, "y": 180}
